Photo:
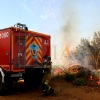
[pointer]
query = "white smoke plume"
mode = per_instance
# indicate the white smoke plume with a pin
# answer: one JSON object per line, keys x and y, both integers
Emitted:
{"x": 70, "y": 23}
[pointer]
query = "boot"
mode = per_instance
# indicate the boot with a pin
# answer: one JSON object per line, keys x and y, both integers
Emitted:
{"x": 51, "y": 91}
{"x": 44, "y": 93}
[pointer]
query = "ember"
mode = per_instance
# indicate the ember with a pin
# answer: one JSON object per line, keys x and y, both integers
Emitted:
{"x": 91, "y": 77}
{"x": 98, "y": 82}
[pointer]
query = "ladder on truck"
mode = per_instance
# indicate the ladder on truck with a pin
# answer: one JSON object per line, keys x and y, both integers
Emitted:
{"x": 21, "y": 43}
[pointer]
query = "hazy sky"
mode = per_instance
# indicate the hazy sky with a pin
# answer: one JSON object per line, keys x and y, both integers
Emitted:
{"x": 65, "y": 20}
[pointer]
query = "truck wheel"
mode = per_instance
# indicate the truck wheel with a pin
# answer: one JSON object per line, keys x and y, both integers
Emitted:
{"x": 1, "y": 86}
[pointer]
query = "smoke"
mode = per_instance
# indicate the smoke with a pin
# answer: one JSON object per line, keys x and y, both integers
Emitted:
{"x": 70, "y": 23}
{"x": 69, "y": 29}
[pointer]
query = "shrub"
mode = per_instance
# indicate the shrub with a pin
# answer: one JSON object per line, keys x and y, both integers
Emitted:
{"x": 80, "y": 74}
{"x": 70, "y": 77}
{"x": 79, "y": 81}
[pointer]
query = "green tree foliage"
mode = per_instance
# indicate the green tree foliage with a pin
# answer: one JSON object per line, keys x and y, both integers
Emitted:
{"x": 79, "y": 81}
{"x": 89, "y": 50}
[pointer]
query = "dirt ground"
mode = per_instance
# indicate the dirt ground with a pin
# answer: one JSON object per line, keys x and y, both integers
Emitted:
{"x": 63, "y": 91}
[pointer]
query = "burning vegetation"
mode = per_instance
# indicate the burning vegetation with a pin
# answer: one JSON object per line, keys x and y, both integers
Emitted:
{"x": 86, "y": 63}
{"x": 85, "y": 58}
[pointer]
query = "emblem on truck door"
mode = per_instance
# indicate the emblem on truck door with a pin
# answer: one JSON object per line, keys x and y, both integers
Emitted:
{"x": 34, "y": 50}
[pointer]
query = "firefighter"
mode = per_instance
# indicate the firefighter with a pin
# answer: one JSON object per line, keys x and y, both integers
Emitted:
{"x": 46, "y": 88}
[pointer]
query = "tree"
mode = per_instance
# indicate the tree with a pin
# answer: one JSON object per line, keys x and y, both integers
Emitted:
{"x": 90, "y": 50}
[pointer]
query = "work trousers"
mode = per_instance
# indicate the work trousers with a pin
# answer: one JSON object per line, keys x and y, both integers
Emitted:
{"x": 45, "y": 81}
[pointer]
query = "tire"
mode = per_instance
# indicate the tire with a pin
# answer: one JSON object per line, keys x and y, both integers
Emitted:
{"x": 1, "y": 86}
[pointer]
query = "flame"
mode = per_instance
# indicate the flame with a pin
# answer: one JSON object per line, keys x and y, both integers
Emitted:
{"x": 67, "y": 53}
{"x": 67, "y": 50}
{"x": 98, "y": 82}
{"x": 70, "y": 63}
{"x": 57, "y": 71}
{"x": 91, "y": 78}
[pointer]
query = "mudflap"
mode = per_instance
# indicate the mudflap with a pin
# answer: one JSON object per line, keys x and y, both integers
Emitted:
{"x": 33, "y": 77}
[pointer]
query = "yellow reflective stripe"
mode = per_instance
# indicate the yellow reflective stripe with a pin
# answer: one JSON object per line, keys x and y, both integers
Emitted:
{"x": 44, "y": 90}
{"x": 28, "y": 42}
{"x": 46, "y": 83}
{"x": 45, "y": 66}
{"x": 49, "y": 88}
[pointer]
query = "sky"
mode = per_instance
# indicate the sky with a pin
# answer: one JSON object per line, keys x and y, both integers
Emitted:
{"x": 67, "y": 21}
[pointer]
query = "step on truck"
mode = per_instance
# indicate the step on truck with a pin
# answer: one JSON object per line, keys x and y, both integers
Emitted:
{"x": 22, "y": 55}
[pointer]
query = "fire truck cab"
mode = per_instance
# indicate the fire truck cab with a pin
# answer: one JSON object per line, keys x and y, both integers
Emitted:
{"x": 22, "y": 55}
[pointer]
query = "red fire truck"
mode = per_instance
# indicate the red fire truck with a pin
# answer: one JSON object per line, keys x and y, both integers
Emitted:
{"x": 22, "y": 55}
